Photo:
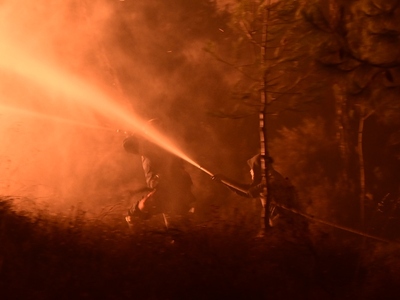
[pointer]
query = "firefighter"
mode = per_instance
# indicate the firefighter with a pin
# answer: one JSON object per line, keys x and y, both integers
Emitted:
{"x": 168, "y": 183}
{"x": 281, "y": 189}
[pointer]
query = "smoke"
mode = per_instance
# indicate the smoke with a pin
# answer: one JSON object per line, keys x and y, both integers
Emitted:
{"x": 147, "y": 56}
{"x": 53, "y": 148}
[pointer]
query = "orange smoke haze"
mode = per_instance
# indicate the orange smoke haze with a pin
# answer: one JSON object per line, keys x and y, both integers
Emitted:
{"x": 53, "y": 144}
{"x": 59, "y": 108}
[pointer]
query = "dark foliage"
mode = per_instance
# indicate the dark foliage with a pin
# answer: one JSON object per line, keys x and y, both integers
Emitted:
{"x": 75, "y": 257}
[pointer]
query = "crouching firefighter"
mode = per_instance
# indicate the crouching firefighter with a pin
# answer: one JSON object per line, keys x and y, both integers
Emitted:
{"x": 281, "y": 189}
{"x": 168, "y": 184}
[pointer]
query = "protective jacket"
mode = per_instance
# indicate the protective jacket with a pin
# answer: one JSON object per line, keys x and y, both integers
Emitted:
{"x": 169, "y": 183}
{"x": 281, "y": 189}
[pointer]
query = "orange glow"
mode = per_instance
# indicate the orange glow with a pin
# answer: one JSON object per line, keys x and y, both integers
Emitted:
{"x": 59, "y": 105}
{"x": 74, "y": 97}
{"x": 80, "y": 93}
{"x": 22, "y": 112}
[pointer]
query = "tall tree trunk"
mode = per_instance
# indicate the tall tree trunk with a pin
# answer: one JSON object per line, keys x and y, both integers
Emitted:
{"x": 360, "y": 134}
{"x": 342, "y": 127}
{"x": 361, "y": 168}
{"x": 265, "y": 197}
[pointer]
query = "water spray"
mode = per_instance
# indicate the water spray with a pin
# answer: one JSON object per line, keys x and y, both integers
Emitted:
{"x": 205, "y": 171}
{"x": 193, "y": 163}
{"x": 36, "y": 114}
{"x": 79, "y": 92}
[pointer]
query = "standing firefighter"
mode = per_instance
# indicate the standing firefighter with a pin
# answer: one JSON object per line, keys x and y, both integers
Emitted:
{"x": 281, "y": 189}
{"x": 168, "y": 183}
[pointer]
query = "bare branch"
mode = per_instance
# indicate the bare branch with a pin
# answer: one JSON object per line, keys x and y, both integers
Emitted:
{"x": 248, "y": 34}
{"x": 218, "y": 58}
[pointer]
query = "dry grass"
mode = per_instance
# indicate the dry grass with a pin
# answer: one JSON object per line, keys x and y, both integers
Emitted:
{"x": 45, "y": 256}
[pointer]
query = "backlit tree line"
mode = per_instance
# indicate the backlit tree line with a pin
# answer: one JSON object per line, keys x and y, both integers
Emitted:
{"x": 328, "y": 73}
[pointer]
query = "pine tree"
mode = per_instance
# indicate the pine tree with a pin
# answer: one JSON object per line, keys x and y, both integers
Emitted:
{"x": 267, "y": 72}
{"x": 358, "y": 43}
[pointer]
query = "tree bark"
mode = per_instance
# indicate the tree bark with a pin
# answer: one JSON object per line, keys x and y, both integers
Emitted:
{"x": 361, "y": 122}
{"x": 362, "y": 169}
{"x": 342, "y": 127}
{"x": 265, "y": 196}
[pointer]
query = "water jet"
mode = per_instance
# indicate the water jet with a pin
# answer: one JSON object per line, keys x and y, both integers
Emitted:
{"x": 68, "y": 90}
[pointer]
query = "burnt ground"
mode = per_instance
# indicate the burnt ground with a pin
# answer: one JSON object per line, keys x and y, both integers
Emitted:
{"x": 52, "y": 256}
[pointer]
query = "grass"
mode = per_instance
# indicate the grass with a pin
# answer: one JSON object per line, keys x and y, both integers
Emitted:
{"x": 73, "y": 256}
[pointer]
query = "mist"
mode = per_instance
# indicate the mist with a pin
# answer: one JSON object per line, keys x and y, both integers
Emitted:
{"x": 71, "y": 69}
{"x": 77, "y": 76}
